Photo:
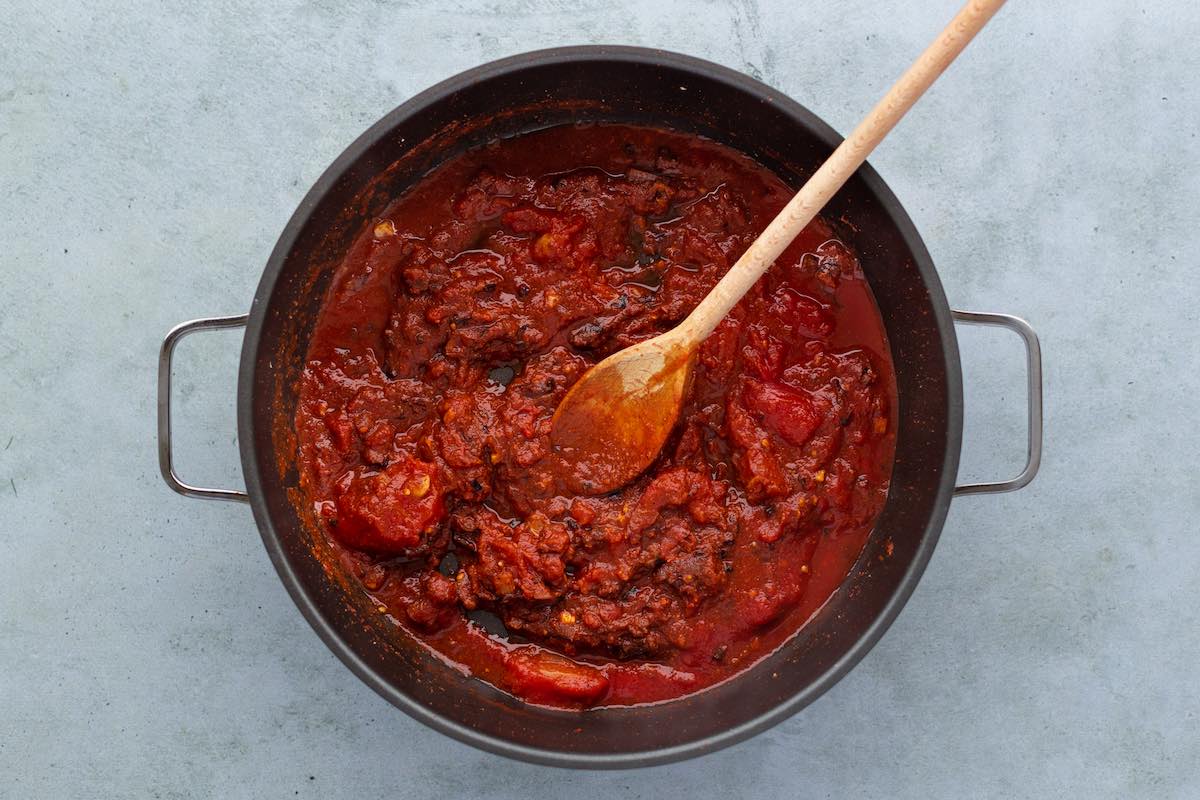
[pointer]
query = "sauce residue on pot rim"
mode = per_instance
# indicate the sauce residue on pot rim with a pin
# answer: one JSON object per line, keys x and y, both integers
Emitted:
{"x": 459, "y": 319}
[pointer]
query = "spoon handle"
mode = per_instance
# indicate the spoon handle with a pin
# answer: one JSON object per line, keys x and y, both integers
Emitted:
{"x": 831, "y": 176}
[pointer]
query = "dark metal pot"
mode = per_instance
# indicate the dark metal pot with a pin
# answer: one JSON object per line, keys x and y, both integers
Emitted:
{"x": 533, "y": 91}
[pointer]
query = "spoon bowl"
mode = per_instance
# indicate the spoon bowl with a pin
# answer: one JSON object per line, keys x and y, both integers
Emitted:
{"x": 614, "y": 421}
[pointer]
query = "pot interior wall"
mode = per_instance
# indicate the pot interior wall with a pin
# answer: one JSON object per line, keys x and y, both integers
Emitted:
{"x": 618, "y": 85}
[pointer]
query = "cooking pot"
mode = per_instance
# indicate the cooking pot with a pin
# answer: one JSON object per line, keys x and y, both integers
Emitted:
{"x": 609, "y": 84}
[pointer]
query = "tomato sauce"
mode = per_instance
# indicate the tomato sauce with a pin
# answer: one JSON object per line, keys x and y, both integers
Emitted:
{"x": 459, "y": 319}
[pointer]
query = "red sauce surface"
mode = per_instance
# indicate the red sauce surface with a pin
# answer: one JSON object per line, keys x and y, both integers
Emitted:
{"x": 457, "y": 322}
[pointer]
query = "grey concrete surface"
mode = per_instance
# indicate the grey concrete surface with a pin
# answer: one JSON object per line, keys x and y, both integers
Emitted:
{"x": 150, "y": 157}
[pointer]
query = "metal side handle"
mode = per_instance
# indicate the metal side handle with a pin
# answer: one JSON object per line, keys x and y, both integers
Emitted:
{"x": 164, "y": 407}
{"x": 1033, "y": 357}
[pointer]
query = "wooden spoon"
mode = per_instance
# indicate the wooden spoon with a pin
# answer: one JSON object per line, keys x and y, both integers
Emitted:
{"x": 615, "y": 419}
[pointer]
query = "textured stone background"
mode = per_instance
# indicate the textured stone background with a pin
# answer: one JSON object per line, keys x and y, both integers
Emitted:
{"x": 149, "y": 159}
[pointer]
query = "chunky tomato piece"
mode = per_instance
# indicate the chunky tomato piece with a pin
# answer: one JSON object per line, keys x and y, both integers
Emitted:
{"x": 801, "y": 313}
{"x": 792, "y": 413}
{"x": 393, "y": 510}
{"x": 763, "y": 353}
{"x": 756, "y": 462}
{"x": 544, "y": 677}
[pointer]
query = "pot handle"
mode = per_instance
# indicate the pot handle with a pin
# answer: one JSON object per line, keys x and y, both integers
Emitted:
{"x": 1033, "y": 357}
{"x": 164, "y": 407}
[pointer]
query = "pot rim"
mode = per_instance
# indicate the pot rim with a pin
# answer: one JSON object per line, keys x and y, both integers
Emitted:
{"x": 310, "y": 608}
